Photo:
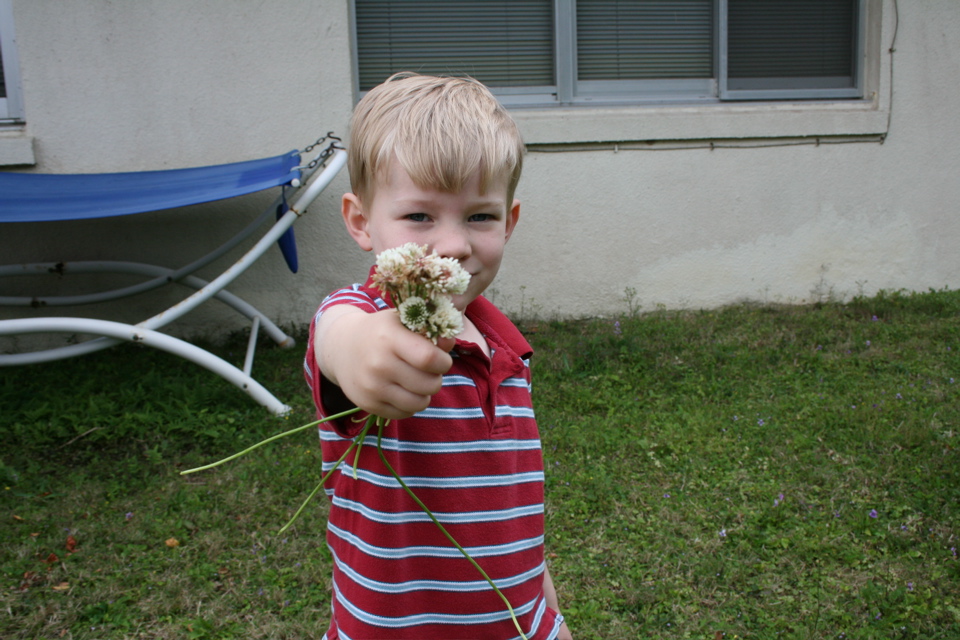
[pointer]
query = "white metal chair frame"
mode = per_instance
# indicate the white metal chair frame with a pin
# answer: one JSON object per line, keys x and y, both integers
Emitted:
{"x": 316, "y": 176}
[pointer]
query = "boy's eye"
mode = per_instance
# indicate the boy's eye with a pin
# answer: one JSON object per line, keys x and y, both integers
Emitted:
{"x": 417, "y": 217}
{"x": 481, "y": 217}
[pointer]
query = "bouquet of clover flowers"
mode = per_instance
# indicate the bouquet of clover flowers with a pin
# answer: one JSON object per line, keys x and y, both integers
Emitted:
{"x": 421, "y": 286}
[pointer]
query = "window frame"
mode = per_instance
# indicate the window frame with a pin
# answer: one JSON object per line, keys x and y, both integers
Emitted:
{"x": 569, "y": 91}
{"x": 11, "y": 107}
{"x": 786, "y": 92}
{"x": 573, "y": 92}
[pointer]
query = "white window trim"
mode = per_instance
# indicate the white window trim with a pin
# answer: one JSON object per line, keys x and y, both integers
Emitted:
{"x": 11, "y": 107}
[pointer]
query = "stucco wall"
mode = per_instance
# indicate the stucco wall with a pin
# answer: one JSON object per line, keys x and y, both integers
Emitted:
{"x": 763, "y": 214}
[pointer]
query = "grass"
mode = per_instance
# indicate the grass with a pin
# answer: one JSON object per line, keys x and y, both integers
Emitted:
{"x": 746, "y": 472}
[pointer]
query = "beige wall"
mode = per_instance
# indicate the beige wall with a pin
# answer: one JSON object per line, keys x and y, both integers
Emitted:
{"x": 618, "y": 198}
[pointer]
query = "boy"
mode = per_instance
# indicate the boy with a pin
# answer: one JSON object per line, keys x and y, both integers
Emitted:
{"x": 433, "y": 161}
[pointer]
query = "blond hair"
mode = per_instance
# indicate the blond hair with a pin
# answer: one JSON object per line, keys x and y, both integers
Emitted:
{"x": 441, "y": 130}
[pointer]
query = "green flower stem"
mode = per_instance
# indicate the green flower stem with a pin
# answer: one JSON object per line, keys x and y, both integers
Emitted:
{"x": 383, "y": 458}
{"x": 358, "y": 439}
{"x": 356, "y": 458}
{"x": 271, "y": 439}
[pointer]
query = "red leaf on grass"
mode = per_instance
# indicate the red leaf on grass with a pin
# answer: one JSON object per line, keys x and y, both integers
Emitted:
{"x": 30, "y": 579}
{"x": 52, "y": 559}
{"x": 71, "y": 544}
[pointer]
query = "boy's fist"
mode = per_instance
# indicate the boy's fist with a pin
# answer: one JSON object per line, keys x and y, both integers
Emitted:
{"x": 380, "y": 365}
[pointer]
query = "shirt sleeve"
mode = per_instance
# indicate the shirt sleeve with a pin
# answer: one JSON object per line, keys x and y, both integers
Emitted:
{"x": 327, "y": 397}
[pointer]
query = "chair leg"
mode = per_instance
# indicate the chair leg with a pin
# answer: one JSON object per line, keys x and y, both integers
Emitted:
{"x": 251, "y": 345}
{"x": 150, "y": 338}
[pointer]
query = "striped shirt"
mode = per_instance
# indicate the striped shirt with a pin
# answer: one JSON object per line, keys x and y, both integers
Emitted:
{"x": 474, "y": 458}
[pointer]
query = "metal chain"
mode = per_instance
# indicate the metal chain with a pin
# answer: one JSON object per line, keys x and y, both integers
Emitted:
{"x": 326, "y": 153}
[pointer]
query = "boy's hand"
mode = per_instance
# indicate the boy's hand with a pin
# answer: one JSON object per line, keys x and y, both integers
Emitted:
{"x": 550, "y": 595}
{"x": 380, "y": 365}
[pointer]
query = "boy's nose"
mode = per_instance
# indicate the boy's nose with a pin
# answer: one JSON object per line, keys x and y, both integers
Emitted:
{"x": 453, "y": 244}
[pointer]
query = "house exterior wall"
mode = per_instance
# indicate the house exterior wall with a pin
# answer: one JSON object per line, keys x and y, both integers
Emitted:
{"x": 688, "y": 206}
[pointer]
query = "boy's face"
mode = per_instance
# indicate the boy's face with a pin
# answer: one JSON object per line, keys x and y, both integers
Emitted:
{"x": 470, "y": 226}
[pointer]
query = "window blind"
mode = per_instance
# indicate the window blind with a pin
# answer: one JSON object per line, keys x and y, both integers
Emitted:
{"x": 644, "y": 39}
{"x": 791, "y": 43}
{"x": 502, "y": 43}
{"x": 547, "y": 52}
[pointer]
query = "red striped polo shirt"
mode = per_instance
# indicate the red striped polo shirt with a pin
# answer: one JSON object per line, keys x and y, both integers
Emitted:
{"x": 474, "y": 458}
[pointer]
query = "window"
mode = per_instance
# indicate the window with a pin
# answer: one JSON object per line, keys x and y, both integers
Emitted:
{"x": 11, "y": 105}
{"x": 570, "y": 52}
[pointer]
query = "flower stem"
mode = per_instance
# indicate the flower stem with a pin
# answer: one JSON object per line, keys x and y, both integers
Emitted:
{"x": 358, "y": 439}
{"x": 383, "y": 458}
{"x": 356, "y": 458}
{"x": 271, "y": 439}
{"x": 358, "y": 442}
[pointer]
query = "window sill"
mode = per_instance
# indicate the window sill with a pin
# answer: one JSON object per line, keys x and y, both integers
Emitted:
{"x": 16, "y": 148}
{"x": 584, "y": 125}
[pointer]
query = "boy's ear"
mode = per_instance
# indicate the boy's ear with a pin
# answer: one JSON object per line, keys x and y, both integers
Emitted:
{"x": 513, "y": 215}
{"x": 352, "y": 210}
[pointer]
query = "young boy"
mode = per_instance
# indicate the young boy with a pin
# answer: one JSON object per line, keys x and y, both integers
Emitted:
{"x": 433, "y": 161}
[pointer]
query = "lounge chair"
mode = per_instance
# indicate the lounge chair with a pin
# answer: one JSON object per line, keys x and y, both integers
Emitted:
{"x": 48, "y": 198}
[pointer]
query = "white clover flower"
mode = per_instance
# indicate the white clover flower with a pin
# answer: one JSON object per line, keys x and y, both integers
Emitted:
{"x": 396, "y": 269}
{"x": 414, "y": 313}
{"x": 459, "y": 281}
{"x": 392, "y": 262}
{"x": 448, "y": 276}
{"x": 446, "y": 321}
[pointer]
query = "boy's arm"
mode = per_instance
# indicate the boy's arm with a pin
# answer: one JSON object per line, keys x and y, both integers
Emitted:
{"x": 381, "y": 366}
{"x": 550, "y": 594}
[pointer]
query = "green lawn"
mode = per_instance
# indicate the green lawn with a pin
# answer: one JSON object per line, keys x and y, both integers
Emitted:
{"x": 753, "y": 472}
